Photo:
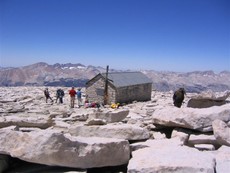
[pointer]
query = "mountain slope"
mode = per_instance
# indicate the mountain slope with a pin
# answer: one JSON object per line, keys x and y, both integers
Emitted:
{"x": 43, "y": 74}
{"x": 196, "y": 81}
{"x": 52, "y": 75}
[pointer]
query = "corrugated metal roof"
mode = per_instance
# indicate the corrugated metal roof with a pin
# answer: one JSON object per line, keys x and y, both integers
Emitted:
{"x": 122, "y": 79}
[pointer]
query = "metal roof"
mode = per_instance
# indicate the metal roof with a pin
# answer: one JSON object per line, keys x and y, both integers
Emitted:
{"x": 122, "y": 79}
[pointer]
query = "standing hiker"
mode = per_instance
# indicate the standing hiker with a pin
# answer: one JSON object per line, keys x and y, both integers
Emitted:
{"x": 79, "y": 100}
{"x": 60, "y": 94}
{"x": 72, "y": 94}
{"x": 47, "y": 95}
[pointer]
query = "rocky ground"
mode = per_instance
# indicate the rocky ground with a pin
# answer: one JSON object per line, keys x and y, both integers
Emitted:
{"x": 142, "y": 137}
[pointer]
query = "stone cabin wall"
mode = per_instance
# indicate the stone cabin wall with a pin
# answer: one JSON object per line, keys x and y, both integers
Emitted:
{"x": 95, "y": 92}
{"x": 140, "y": 92}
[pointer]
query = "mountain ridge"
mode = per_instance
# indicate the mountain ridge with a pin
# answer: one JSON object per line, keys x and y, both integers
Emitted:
{"x": 43, "y": 74}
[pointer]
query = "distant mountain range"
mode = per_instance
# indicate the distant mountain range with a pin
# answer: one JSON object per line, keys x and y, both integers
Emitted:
{"x": 43, "y": 74}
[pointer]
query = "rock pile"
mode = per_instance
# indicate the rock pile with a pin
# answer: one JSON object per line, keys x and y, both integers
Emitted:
{"x": 142, "y": 137}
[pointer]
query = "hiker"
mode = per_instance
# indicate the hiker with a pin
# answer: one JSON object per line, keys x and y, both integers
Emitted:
{"x": 47, "y": 95}
{"x": 178, "y": 97}
{"x": 60, "y": 94}
{"x": 72, "y": 94}
{"x": 79, "y": 100}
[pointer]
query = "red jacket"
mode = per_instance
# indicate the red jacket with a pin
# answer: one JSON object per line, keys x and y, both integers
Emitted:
{"x": 72, "y": 93}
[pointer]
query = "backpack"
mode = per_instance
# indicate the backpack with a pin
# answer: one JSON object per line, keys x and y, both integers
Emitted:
{"x": 60, "y": 93}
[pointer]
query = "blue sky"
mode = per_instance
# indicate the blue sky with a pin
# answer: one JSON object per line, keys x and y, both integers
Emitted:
{"x": 163, "y": 35}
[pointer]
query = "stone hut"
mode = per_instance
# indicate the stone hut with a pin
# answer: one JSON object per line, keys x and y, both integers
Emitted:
{"x": 123, "y": 87}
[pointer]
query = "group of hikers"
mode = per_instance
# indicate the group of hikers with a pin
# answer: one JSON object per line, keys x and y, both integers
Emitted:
{"x": 60, "y": 94}
{"x": 178, "y": 98}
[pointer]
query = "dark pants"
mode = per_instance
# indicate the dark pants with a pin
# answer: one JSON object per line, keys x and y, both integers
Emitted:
{"x": 60, "y": 99}
{"x": 48, "y": 97}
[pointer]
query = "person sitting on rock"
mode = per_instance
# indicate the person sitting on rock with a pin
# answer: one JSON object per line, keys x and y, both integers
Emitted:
{"x": 178, "y": 97}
